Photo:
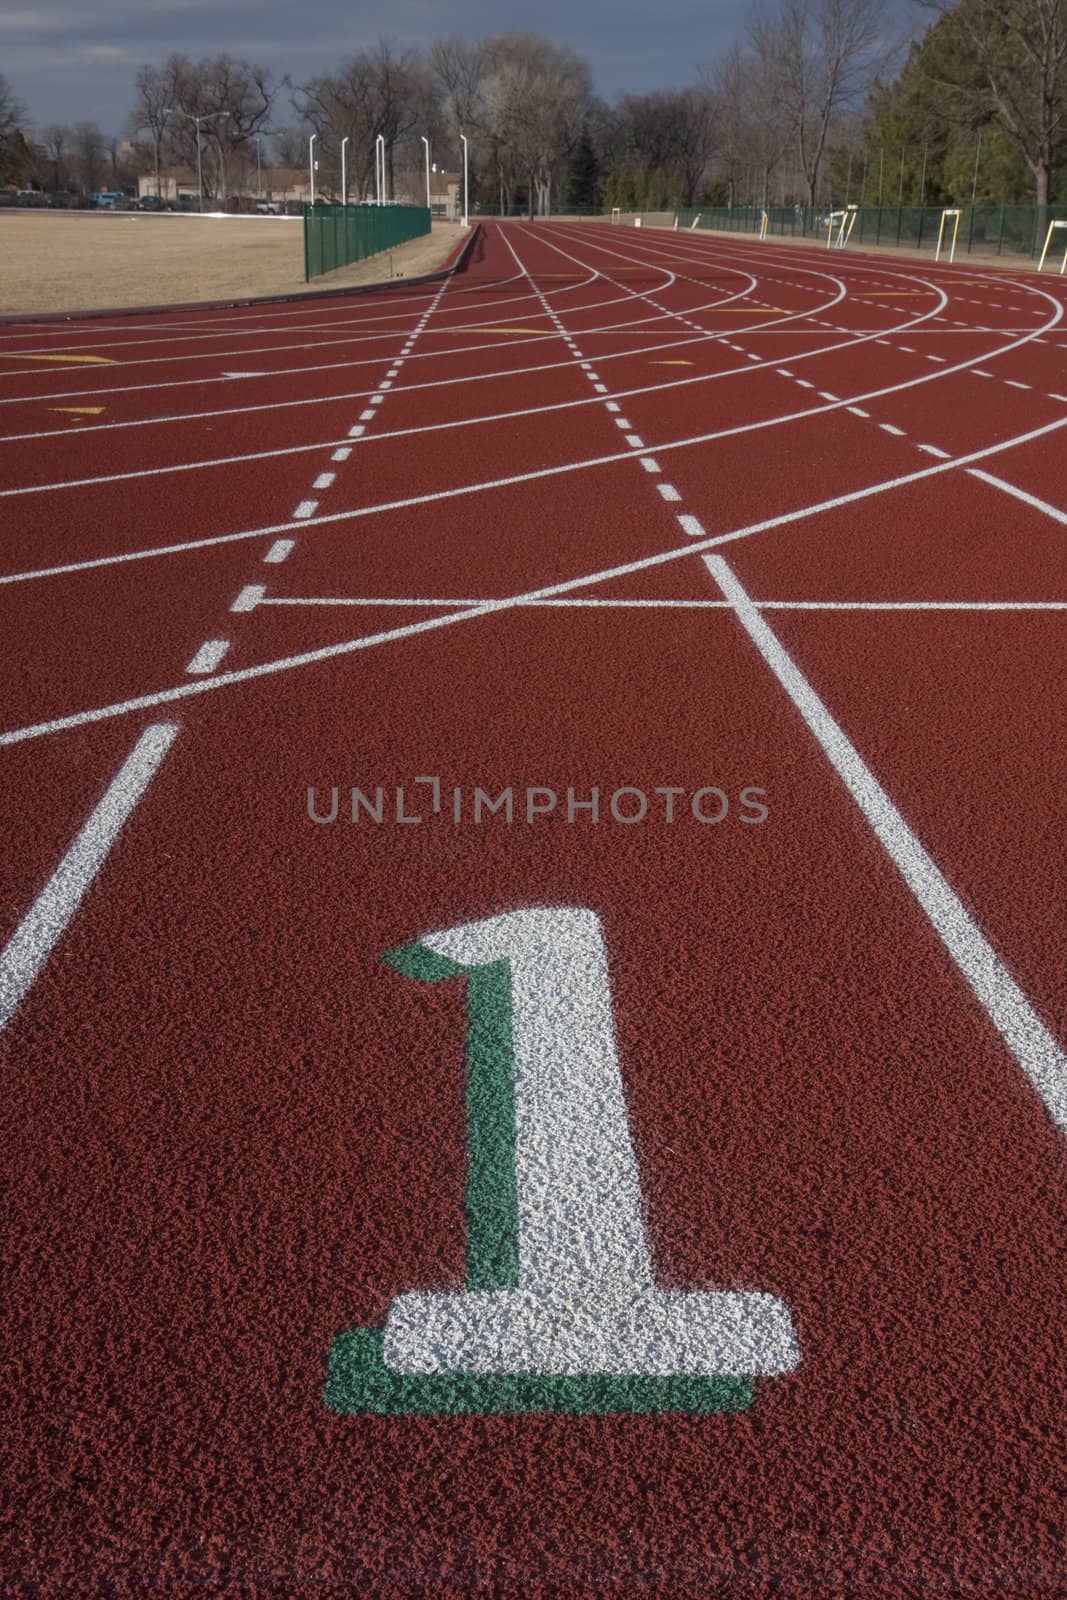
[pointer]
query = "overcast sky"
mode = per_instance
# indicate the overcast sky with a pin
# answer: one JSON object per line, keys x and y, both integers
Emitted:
{"x": 75, "y": 59}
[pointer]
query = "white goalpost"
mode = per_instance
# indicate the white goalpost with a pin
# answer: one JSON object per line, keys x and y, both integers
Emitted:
{"x": 1048, "y": 240}
{"x": 954, "y": 212}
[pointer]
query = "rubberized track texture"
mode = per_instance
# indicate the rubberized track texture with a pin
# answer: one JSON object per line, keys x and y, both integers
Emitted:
{"x": 532, "y": 920}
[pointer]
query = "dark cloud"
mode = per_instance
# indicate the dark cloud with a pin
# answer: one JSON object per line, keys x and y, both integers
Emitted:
{"x": 69, "y": 61}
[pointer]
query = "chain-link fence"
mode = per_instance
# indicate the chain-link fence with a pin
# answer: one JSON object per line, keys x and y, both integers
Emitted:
{"x": 335, "y": 236}
{"x": 983, "y": 229}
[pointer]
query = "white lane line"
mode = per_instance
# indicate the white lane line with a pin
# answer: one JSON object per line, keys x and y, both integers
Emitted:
{"x": 650, "y": 464}
{"x": 324, "y": 480}
{"x": 824, "y": 394}
{"x": 803, "y": 382}
{"x": 1062, "y": 398}
{"x": 35, "y": 937}
{"x": 208, "y": 656}
{"x": 279, "y": 550}
{"x": 601, "y": 388}
{"x": 357, "y": 431}
{"x": 1013, "y": 383}
{"x": 612, "y": 405}
{"x": 622, "y": 422}
{"x": 635, "y": 441}
{"x": 1034, "y": 1048}
{"x": 366, "y": 416}
{"x": 306, "y": 508}
{"x": 691, "y": 526}
{"x": 342, "y": 454}
{"x": 249, "y": 597}
{"x": 394, "y": 372}
{"x": 668, "y": 491}
{"x": 888, "y": 427}
{"x": 376, "y": 399}
{"x": 385, "y": 384}
{"x": 783, "y": 372}
{"x": 857, "y": 411}
{"x": 1019, "y": 494}
{"x": 932, "y": 450}
{"x": 979, "y": 373}
{"x": 936, "y": 358}
{"x": 583, "y": 602}
{"x": 356, "y": 513}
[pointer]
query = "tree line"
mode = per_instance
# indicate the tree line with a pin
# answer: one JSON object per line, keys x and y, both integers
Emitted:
{"x": 817, "y": 100}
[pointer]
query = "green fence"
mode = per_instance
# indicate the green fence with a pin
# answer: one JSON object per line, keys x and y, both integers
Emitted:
{"x": 334, "y": 236}
{"x": 985, "y": 229}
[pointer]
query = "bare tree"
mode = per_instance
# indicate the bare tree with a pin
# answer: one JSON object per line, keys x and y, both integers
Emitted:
{"x": 231, "y": 98}
{"x": 149, "y": 114}
{"x": 1009, "y": 63}
{"x": 535, "y": 98}
{"x": 56, "y": 142}
{"x": 13, "y": 149}
{"x": 89, "y": 150}
{"x": 384, "y": 92}
{"x": 815, "y": 57}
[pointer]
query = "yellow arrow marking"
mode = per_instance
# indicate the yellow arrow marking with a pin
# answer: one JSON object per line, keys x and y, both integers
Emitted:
{"x": 30, "y": 355}
{"x": 478, "y": 328}
{"x": 79, "y": 411}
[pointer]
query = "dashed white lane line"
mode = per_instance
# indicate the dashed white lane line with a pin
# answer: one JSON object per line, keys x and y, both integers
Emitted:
{"x": 668, "y": 491}
{"x": 342, "y": 454}
{"x": 650, "y": 464}
{"x": 366, "y": 416}
{"x": 979, "y": 372}
{"x": 635, "y": 441}
{"x": 612, "y": 405}
{"x": 357, "y": 431}
{"x": 279, "y": 550}
{"x": 47, "y": 919}
{"x": 324, "y": 480}
{"x": 623, "y": 423}
{"x": 249, "y": 597}
{"x": 601, "y": 388}
{"x": 804, "y": 384}
{"x": 857, "y": 411}
{"x": 1013, "y": 383}
{"x": 376, "y": 400}
{"x": 1037, "y": 1052}
{"x": 824, "y": 394}
{"x": 306, "y": 508}
{"x": 208, "y": 656}
{"x": 691, "y": 526}
{"x": 932, "y": 450}
{"x": 889, "y": 427}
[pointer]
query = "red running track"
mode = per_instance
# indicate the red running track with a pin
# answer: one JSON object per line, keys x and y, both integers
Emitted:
{"x": 645, "y": 511}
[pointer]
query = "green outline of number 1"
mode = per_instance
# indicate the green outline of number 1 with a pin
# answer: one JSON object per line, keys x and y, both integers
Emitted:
{"x": 520, "y": 1258}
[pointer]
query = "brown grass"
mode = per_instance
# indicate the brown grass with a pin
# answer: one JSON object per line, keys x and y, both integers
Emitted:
{"x": 56, "y": 261}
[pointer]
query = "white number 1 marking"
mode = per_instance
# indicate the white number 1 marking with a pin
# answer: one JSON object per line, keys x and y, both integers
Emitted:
{"x": 583, "y": 1299}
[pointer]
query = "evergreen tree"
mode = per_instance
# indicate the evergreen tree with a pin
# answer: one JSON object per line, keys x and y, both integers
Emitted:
{"x": 583, "y": 175}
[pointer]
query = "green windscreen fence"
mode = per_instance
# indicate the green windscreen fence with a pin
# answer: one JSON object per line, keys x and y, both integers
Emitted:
{"x": 983, "y": 229}
{"x": 335, "y": 236}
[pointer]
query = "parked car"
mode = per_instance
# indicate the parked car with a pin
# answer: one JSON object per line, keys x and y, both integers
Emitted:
{"x": 269, "y": 208}
{"x": 154, "y": 202}
{"x": 62, "y": 200}
{"x": 9, "y": 197}
{"x": 105, "y": 199}
{"x": 294, "y": 208}
{"x": 32, "y": 197}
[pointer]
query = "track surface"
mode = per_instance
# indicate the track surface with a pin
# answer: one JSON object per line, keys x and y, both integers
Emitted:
{"x": 611, "y": 510}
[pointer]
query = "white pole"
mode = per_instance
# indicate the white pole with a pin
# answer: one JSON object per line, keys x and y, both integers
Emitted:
{"x": 466, "y": 205}
{"x": 379, "y": 168}
{"x": 426, "y": 142}
{"x": 344, "y": 173}
{"x": 311, "y": 164}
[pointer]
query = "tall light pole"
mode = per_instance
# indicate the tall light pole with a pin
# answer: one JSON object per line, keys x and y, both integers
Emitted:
{"x": 207, "y": 116}
{"x": 379, "y": 168}
{"x": 344, "y": 172}
{"x": 426, "y": 142}
{"x": 311, "y": 164}
{"x": 259, "y": 169}
{"x": 466, "y": 204}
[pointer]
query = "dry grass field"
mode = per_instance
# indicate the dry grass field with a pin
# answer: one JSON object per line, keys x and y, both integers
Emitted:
{"x": 64, "y": 261}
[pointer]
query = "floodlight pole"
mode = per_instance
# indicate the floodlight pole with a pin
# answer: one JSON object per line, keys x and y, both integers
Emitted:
{"x": 379, "y": 168}
{"x": 204, "y": 117}
{"x": 311, "y": 164}
{"x": 344, "y": 172}
{"x": 426, "y": 142}
{"x": 466, "y": 191}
